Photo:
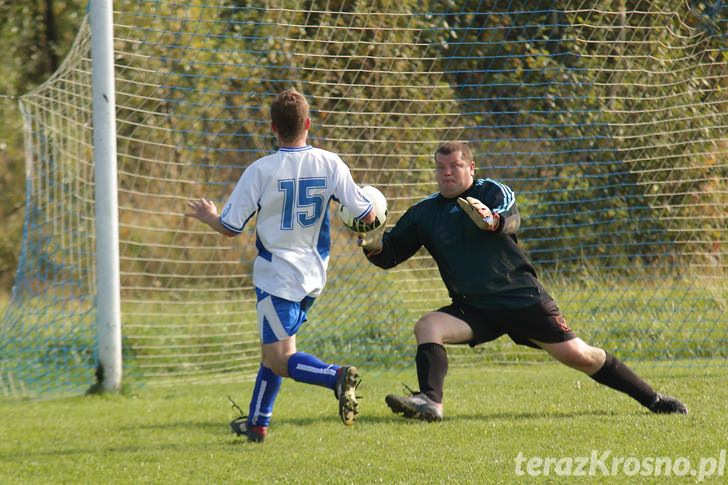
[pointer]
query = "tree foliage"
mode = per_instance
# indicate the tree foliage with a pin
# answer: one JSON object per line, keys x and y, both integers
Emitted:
{"x": 607, "y": 136}
{"x": 34, "y": 35}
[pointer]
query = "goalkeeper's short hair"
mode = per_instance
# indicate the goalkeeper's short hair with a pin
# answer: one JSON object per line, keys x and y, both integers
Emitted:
{"x": 456, "y": 146}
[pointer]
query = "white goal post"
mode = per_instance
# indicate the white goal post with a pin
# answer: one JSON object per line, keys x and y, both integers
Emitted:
{"x": 108, "y": 294}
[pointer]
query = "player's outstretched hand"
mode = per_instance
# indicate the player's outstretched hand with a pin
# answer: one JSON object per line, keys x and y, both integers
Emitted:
{"x": 372, "y": 241}
{"x": 202, "y": 209}
{"x": 479, "y": 213}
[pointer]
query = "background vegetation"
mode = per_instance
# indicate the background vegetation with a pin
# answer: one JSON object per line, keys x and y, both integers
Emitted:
{"x": 35, "y": 36}
{"x": 606, "y": 124}
{"x": 601, "y": 202}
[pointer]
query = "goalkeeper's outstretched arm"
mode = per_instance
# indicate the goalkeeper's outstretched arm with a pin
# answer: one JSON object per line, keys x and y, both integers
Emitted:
{"x": 390, "y": 254}
{"x": 397, "y": 245}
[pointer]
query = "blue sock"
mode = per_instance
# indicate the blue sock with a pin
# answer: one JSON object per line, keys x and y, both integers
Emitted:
{"x": 267, "y": 385}
{"x": 303, "y": 367}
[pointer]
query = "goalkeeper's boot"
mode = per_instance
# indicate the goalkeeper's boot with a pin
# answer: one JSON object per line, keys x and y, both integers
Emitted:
{"x": 241, "y": 427}
{"x": 347, "y": 380}
{"x": 667, "y": 405}
{"x": 415, "y": 406}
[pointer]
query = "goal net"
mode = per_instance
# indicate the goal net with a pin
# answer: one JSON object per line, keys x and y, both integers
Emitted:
{"x": 608, "y": 120}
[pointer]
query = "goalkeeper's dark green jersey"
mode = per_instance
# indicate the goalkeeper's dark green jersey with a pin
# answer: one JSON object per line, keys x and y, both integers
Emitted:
{"x": 480, "y": 268}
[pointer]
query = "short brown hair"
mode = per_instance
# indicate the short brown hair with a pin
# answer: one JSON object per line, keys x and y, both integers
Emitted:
{"x": 455, "y": 146}
{"x": 289, "y": 112}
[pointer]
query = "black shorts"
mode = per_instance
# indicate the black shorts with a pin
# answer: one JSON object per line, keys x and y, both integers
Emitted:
{"x": 542, "y": 322}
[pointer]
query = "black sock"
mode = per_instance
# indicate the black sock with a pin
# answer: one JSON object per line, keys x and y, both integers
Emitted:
{"x": 431, "y": 369}
{"x": 620, "y": 377}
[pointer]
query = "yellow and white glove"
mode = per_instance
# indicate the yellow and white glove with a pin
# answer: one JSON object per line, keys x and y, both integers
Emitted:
{"x": 372, "y": 240}
{"x": 479, "y": 213}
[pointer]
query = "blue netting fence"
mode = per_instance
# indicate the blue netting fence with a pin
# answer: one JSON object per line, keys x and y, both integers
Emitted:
{"x": 608, "y": 120}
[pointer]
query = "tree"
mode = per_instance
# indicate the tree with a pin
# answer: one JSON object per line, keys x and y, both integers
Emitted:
{"x": 35, "y": 35}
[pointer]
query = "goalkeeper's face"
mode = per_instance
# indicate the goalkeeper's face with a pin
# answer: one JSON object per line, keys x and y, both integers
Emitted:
{"x": 454, "y": 175}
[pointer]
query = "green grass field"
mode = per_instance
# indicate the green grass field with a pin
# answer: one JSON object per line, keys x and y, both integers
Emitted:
{"x": 493, "y": 413}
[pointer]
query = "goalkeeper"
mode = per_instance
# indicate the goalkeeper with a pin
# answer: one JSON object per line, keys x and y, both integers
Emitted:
{"x": 289, "y": 192}
{"x": 469, "y": 228}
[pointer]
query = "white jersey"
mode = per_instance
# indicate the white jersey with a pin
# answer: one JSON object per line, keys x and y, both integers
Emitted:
{"x": 291, "y": 190}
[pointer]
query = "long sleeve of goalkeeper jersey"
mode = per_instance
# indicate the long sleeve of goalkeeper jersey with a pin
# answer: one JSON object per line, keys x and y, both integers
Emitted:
{"x": 401, "y": 242}
{"x": 484, "y": 269}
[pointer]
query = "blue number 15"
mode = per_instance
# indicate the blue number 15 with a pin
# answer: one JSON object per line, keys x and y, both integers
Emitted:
{"x": 306, "y": 201}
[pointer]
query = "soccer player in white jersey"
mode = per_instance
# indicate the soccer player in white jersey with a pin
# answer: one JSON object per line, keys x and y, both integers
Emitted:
{"x": 289, "y": 191}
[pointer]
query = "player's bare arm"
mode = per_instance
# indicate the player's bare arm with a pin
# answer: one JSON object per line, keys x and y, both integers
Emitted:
{"x": 206, "y": 211}
{"x": 369, "y": 218}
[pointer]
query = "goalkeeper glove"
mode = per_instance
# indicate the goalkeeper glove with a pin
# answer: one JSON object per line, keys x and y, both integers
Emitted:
{"x": 372, "y": 241}
{"x": 479, "y": 213}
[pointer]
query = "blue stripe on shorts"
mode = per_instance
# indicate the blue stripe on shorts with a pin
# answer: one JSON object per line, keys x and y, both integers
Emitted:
{"x": 279, "y": 319}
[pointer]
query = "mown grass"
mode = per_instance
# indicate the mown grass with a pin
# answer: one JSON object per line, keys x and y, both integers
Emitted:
{"x": 493, "y": 413}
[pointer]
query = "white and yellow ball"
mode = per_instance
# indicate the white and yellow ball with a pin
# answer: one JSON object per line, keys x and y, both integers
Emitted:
{"x": 380, "y": 211}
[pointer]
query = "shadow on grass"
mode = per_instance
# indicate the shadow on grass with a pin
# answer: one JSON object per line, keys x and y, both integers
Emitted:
{"x": 485, "y": 417}
{"x": 101, "y": 451}
{"x": 223, "y": 439}
{"x": 183, "y": 425}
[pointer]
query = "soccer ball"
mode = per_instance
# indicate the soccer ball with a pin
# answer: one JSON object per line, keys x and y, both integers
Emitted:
{"x": 380, "y": 211}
